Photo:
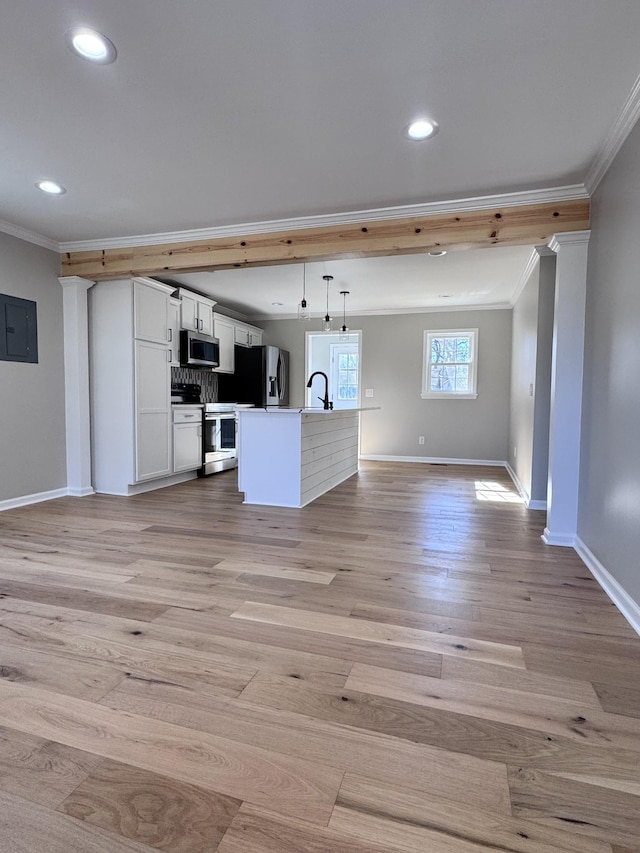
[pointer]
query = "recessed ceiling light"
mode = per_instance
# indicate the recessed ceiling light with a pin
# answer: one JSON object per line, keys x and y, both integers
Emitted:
{"x": 91, "y": 45}
{"x": 438, "y": 253}
{"x": 51, "y": 187}
{"x": 423, "y": 128}
{"x": 277, "y": 304}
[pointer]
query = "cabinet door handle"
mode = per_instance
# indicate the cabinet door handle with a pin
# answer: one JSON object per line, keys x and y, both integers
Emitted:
{"x": 170, "y": 335}
{"x": 169, "y": 356}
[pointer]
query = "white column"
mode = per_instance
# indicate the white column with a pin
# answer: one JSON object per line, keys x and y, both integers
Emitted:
{"x": 76, "y": 384}
{"x": 566, "y": 387}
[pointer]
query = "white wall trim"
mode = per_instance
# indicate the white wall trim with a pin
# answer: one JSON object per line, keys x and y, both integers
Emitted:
{"x": 525, "y": 275}
{"x": 615, "y": 139}
{"x": 529, "y": 504}
{"x": 565, "y": 420}
{"x": 432, "y": 460}
{"x": 570, "y": 238}
{"x": 551, "y": 194}
{"x": 564, "y": 540}
{"x": 516, "y": 482}
{"x": 542, "y": 505}
{"x": 76, "y": 383}
{"x": 29, "y": 236}
{"x": 36, "y": 498}
{"x": 384, "y": 312}
{"x": 629, "y": 608}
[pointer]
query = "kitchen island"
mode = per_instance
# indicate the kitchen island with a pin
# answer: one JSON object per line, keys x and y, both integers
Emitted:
{"x": 289, "y": 457}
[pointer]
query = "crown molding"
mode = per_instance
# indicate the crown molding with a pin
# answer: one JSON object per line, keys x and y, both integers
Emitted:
{"x": 29, "y": 236}
{"x": 615, "y": 139}
{"x": 552, "y": 194}
{"x": 570, "y": 238}
{"x": 525, "y": 275}
{"x": 387, "y": 312}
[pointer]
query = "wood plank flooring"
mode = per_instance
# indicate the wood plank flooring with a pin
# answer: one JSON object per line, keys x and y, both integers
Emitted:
{"x": 400, "y": 667}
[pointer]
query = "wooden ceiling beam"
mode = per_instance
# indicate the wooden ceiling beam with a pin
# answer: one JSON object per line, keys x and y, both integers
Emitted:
{"x": 504, "y": 226}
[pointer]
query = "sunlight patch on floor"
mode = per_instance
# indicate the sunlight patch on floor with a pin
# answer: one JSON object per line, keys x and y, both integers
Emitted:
{"x": 488, "y": 490}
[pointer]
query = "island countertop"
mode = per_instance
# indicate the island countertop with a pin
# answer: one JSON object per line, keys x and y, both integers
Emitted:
{"x": 311, "y": 410}
{"x": 289, "y": 457}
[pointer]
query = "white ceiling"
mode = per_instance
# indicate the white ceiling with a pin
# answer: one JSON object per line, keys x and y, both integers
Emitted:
{"x": 478, "y": 278}
{"x": 232, "y": 112}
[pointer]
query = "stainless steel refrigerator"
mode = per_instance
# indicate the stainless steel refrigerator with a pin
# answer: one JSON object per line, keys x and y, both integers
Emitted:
{"x": 261, "y": 377}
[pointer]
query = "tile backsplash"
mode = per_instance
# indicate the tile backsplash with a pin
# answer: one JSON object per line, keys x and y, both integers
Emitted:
{"x": 207, "y": 379}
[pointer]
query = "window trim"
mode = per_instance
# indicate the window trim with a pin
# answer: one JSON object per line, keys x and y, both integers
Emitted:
{"x": 429, "y": 334}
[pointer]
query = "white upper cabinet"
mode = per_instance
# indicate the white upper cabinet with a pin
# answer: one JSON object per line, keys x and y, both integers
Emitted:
{"x": 248, "y": 336}
{"x": 174, "y": 331}
{"x": 150, "y": 316}
{"x": 224, "y": 330}
{"x": 196, "y": 312}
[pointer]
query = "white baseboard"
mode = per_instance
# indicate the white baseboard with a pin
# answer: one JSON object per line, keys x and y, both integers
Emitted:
{"x": 38, "y": 497}
{"x": 81, "y": 493}
{"x": 529, "y": 504}
{"x": 432, "y": 460}
{"x": 566, "y": 540}
{"x": 629, "y": 608}
{"x": 537, "y": 505}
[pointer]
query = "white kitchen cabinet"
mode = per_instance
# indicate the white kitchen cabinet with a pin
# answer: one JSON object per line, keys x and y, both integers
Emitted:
{"x": 247, "y": 336}
{"x": 187, "y": 439}
{"x": 130, "y": 383}
{"x": 152, "y": 410}
{"x": 196, "y": 312}
{"x": 224, "y": 330}
{"x": 174, "y": 332}
{"x": 150, "y": 313}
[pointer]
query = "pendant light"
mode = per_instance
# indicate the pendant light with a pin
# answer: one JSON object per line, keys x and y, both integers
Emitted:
{"x": 344, "y": 331}
{"x": 304, "y": 313}
{"x": 326, "y": 323}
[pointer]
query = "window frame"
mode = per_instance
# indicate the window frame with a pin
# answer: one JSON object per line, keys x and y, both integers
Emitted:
{"x": 429, "y": 335}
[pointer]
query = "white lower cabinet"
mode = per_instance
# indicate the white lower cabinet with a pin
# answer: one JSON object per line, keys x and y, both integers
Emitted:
{"x": 187, "y": 439}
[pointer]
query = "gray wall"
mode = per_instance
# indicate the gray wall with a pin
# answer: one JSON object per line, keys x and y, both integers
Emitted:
{"x": 542, "y": 400}
{"x": 531, "y": 380}
{"x": 609, "y": 509}
{"x": 32, "y": 428}
{"x": 523, "y": 377}
{"x": 392, "y": 366}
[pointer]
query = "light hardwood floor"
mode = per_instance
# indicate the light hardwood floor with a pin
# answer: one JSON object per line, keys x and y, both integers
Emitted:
{"x": 401, "y": 666}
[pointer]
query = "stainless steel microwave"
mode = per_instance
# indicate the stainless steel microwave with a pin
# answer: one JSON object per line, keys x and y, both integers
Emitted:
{"x": 198, "y": 350}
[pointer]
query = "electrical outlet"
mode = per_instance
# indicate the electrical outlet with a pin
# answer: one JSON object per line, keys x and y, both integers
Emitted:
{"x": 420, "y": 439}
{"x": 368, "y": 392}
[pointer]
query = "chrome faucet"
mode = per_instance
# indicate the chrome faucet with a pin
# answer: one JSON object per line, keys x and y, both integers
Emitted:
{"x": 325, "y": 400}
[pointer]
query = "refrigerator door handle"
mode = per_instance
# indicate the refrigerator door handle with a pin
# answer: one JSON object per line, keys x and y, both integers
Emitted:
{"x": 281, "y": 378}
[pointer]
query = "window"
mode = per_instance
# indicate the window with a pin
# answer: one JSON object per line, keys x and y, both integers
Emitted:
{"x": 449, "y": 364}
{"x": 344, "y": 374}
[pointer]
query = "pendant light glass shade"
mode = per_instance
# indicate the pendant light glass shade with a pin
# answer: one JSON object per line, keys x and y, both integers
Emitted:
{"x": 304, "y": 312}
{"x": 326, "y": 323}
{"x": 344, "y": 331}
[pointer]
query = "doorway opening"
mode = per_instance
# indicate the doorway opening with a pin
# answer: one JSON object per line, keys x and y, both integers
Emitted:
{"x": 340, "y": 360}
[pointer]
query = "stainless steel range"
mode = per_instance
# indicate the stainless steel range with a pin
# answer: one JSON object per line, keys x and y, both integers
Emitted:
{"x": 219, "y": 447}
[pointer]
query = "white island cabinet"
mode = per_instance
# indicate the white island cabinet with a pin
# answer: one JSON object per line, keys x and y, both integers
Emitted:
{"x": 289, "y": 457}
